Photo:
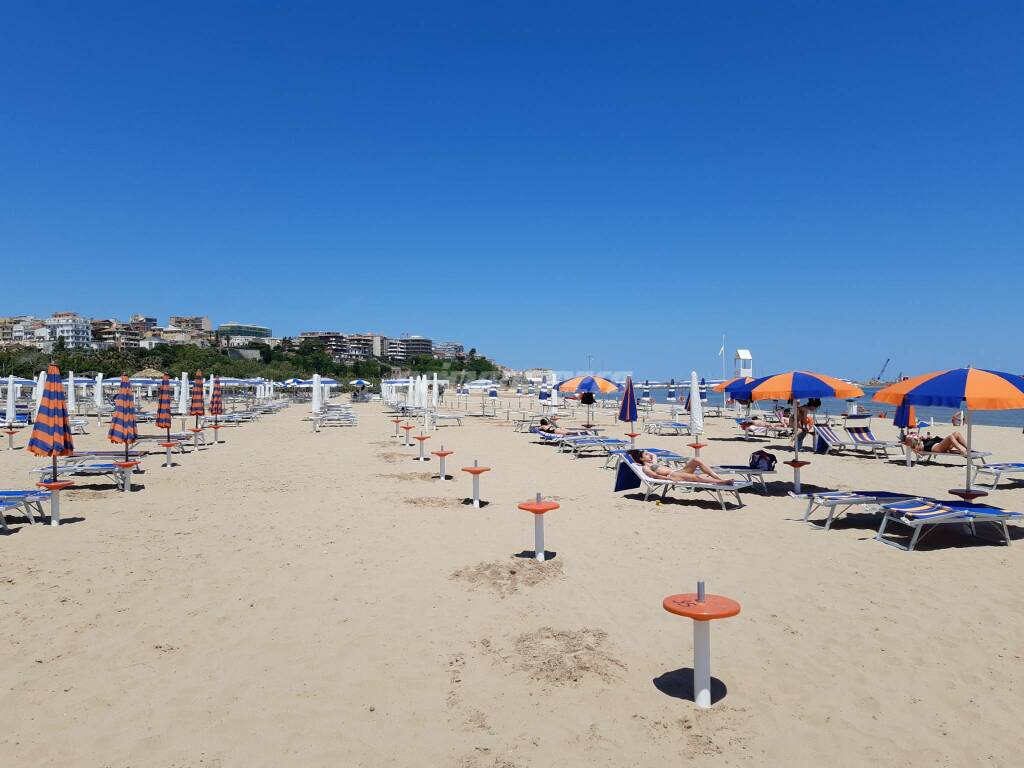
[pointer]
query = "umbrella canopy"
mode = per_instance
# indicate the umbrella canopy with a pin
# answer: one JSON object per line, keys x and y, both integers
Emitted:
{"x": 216, "y": 399}
{"x": 359, "y": 383}
{"x": 593, "y": 384}
{"x": 51, "y": 433}
{"x": 163, "y": 407}
{"x": 794, "y": 385}
{"x": 122, "y": 423}
{"x": 198, "y": 407}
{"x": 979, "y": 389}
{"x": 627, "y": 409}
{"x": 905, "y": 417}
{"x": 725, "y": 385}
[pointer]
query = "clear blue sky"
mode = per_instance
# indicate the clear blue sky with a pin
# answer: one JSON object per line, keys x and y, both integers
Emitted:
{"x": 828, "y": 184}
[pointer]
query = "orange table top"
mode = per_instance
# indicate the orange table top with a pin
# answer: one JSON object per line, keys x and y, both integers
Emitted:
{"x": 195, "y": 429}
{"x": 632, "y": 434}
{"x": 476, "y": 470}
{"x": 58, "y": 486}
{"x": 126, "y": 464}
{"x": 421, "y": 437}
{"x": 796, "y": 464}
{"x": 396, "y": 421}
{"x": 168, "y": 445}
{"x": 713, "y": 607}
{"x": 408, "y": 426}
{"x": 538, "y": 507}
{"x": 442, "y": 453}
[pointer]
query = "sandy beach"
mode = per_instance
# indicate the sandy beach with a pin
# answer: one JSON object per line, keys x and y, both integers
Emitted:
{"x": 289, "y": 598}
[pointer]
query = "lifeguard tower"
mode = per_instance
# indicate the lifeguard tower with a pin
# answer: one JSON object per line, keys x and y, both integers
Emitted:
{"x": 743, "y": 363}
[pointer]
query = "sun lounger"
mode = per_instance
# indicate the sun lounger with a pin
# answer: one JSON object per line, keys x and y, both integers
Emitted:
{"x": 438, "y": 418}
{"x": 998, "y": 470}
{"x": 977, "y": 458}
{"x": 667, "y": 428}
{"x": 748, "y": 474}
{"x": 827, "y": 437}
{"x": 839, "y": 503}
{"x": 116, "y": 474}
{"x": 918, "y": 514}
{"x": 29, "y": 503}
{"x": 599, "y": 445}
{"x": 863, "y": 438}
{"x": 630, "y": 475}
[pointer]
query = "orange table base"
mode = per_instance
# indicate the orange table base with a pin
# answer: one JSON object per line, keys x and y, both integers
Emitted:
{"x": 539, "y": 508}
{"x": 476, "y": 471}
{"x": 55, "y": 488}
{"x": 441, "y": 456}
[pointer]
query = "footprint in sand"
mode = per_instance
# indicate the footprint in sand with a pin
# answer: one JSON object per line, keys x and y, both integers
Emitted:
{"x": 505, "y": 577}
{"x": 561, "y": 657}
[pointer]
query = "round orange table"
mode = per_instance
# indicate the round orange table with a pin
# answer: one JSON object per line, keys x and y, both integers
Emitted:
{"x": 55, "y": 488}
{"x": 196, "y": 432}
{"x": 216, "y": 432}
{"x": 696, "y": 448}
{"x": 539, "y": 508}
{"x": 476, "y": 470}
{"x": 127, "y": 469}
{"x": 396, "y": 422}
{"x": 407, "y": 427}
{"x": 10, "y": 437}
{"x": 796, "y": 464}
{"x": 169, "y": 446}
{"x": 441, "y": 455}
{"x": 422, "y": 439}
{"x": 703, "y": 609}
{"x": 632, "y": 438}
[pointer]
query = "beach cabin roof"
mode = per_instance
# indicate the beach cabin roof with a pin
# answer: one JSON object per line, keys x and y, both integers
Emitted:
{"x": 743, "y": 354}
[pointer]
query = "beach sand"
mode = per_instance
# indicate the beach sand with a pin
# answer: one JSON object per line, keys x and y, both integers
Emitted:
{"x": 298, "y": 599}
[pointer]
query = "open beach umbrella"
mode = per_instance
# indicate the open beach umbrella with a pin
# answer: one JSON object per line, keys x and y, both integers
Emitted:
{"x": 906, "y": 418}
{"x": 727, "y": 385}
{"x": 976, "y": 389}
{"x": 163, "y": 407}
{"x": 627, "y": 409}
{"x": 198, "y": 407}
{"x": 216, "y": 400}
{"x": 51, "y": 433}
{"x": 795, "y": 386}
{"x": 359, "y": 383}
{"x": 592, "y": 385}
{"x": 122, "y": 423}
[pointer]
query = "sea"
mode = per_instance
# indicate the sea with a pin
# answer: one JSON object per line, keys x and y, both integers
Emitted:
{"x": 865, "y": 404}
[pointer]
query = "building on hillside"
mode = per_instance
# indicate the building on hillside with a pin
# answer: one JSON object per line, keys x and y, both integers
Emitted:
{"x": 333, "y": 342}
{"x": 142, "y": 324}
{"x": 70, "y": 328}
{"x": 114, "y": 334}
{"x": 243, "y": 329}
{"x": 172, "y": 334}
{"x": 449, "y": 350}
{"x": 409, "y": 348}
{"x": 192, "y": 323}
{"x": 235, "y": 342}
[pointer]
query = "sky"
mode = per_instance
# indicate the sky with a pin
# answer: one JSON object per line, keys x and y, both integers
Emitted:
{"x": 826, "y": 184}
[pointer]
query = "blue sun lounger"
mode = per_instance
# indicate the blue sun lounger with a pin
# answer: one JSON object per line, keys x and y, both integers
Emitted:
{"x": 839, "y": 503}
{"x": 863, "y": 438}
{"x": 667, "y": 428}
{"x": 27, "y": 502}
{"x": 917, "y": 514}
{"x": 630, "y": 475}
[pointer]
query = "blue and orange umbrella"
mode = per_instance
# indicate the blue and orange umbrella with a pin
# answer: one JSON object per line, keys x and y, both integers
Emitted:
{"x": 627, "y": 410}
{"x": 122, "y": 423}
{"x": 593, "y": 384}
{"x": 975, "y": 388}
{"x": 163, "y": 407}
{"x": 216, "y": 400}
{"x": 51, "y": 433}
{"x": 198, "y": 407}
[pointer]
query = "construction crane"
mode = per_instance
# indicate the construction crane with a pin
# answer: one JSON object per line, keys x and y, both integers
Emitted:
{"x": 878, "y": 378}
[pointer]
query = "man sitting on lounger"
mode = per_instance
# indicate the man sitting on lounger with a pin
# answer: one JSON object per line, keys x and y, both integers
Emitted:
{"x": 955, "y": 443}
{"x": 684, "y": 474}
{"x": 550, "y": 428}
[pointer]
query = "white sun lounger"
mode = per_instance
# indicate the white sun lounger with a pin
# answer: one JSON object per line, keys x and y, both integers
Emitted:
{"x": 29, "y": 503}
{"x": 667, "y": 428}
{"x": 998, "y": 470}
{"x": 917, "y": 514}
{"x": 839, "y": 503}
{"x": 649, "y": 485}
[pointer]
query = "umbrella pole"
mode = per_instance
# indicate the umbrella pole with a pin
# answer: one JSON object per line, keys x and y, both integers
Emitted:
{"x": 53, "y": 477}
{"x": 967, "y": 412}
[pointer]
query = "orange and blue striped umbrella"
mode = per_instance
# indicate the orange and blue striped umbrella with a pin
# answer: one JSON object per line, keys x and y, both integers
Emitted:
{"x": 198, "y": 407}
{"x": 163, "y": 408}
{"x": 593, "y": 384}
{"x": 979, "y": 389}
{"x": 795, "y": 385}
{"x": 737, "y": 380}
{"x": 216, "y": 399}
{"x": 51, "y": 433}
{"x": 122, "y": 424}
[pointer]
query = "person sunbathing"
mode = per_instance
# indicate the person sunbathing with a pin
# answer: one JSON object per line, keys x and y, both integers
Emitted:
{"x": 785, "y": 423}
{"x": 955, "y": 443}
{"x": 550, "y": 428}
{"x": 686, "y": 474}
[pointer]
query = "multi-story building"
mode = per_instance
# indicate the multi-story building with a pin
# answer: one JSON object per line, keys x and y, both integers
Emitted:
{"x": 142, "y": 324}
{"x": 172, "y": 334}
{"x": 235, "y": 342}
{"x": 365, "y": 345}
{"x": 113, "y": 334}
{"x": 29, "y": 331}
{"x": 449, "y": 350}
{"x": 71, "y": 328}
{"x": 193, "y": 323}
{"x": 333, "y": 342}
{"x": 409, "y": 348}
{"x": 7, "y": 330}
{"x": 243, "y": 329}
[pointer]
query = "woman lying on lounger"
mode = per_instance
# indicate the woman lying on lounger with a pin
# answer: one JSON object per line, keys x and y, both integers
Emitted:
{"x": 550, "y": 428}
{"x": 787, "y": 421}
{"x": 955, "y": 443}
{"x": 685, "y": 474}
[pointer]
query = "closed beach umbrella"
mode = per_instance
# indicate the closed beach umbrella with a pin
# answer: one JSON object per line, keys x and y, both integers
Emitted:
{"x": 198, "y": 407}
{"x": 905, "y": 418}
{"x": 795, "y": 386}
{"x": 317, "y": 394}
{"x": 51, "y": 433}
{"x": 216, "y": 400}
{"x": 627, "y": 408}
{"x": 97, "y": 394}
{"x": 37, "y": 393}
{"x": 671, "y": 394}
{"x": 703, "y": 390}
{"x": 9, "y": 411}
{"x": 183, "y": 395}
{"x": 122, "y": 423}
{"x": 976, "y": 389}
{"x": 696, "y": 408}
{"x": 71, "y": 392}
{"x": 163, "y": 407}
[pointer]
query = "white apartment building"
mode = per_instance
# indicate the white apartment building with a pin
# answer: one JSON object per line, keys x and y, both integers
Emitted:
{"x": 73, "y": 329}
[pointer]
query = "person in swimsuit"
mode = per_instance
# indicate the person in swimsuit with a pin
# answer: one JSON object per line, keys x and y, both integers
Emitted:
{"x": 550, "y": 428}
{"x": 787, "y": 420}
{"x": 955, "y": 443}
{"x": 687, "y": 473}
